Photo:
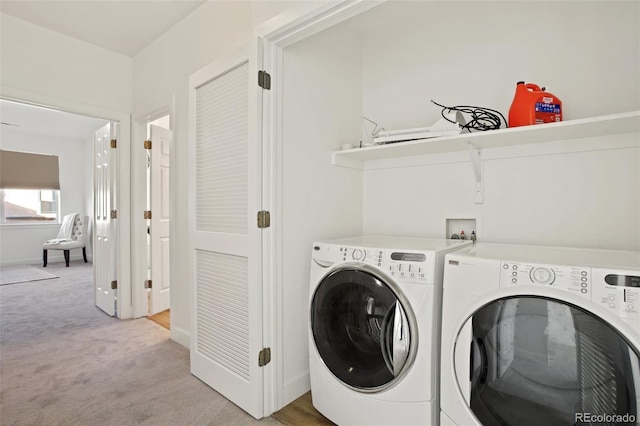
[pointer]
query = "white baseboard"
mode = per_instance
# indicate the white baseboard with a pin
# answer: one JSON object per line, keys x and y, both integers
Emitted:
{"x": 181, "y": 336}
{"x": 30, "y": 261}
{"x": 38, "y": 260}
{"x": 295, "y": 388}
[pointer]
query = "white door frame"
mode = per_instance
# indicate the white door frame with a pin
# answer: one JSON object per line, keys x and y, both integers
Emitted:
{"x": 124, "y": 302}
{"x": 273, "y": 37}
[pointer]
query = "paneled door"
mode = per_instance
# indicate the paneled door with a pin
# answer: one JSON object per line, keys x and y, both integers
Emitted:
{"x": 104, "y": 241}
{"x": 224, "y": 248}
{"x": 160, "y": 207}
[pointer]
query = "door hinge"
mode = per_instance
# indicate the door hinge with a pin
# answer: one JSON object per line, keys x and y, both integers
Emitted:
{"x": 264, "y": 80}
{"x": 114, "y": 285}
{"x": 147, "y": 144}
{"x": 114, "y": 143}
{"x": 147, "y": 214}
{"x": 114, "y": 214}
{"x": 264, "y": 219}
{"x": 148, "y": 284}
{"x": 264, "y": 357}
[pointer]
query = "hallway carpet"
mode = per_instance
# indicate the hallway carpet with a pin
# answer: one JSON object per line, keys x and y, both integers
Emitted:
{"x": 65, "y": 362}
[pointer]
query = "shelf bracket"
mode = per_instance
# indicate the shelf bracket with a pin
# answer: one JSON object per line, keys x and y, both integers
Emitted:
{"x": 476, "y": 160}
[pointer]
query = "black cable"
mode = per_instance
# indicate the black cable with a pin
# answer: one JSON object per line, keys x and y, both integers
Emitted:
{"x": 482, "y": 119}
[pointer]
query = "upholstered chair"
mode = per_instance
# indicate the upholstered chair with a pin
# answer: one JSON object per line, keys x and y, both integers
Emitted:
{"x": 72, "y": 235}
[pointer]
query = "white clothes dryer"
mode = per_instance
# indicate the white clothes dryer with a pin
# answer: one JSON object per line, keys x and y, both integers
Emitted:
{"x": 540, "y": 336}
{"x": 375, "y": 305}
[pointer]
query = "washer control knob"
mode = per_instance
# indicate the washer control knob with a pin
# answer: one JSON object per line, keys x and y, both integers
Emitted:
{"x": 542, "y": 276}
{"x": 357, "y": 254}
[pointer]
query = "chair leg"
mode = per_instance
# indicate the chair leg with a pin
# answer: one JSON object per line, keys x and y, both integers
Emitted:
{"x": 84, "y": 254}
{"x": 44, "y": 258}
{"x": 66, "y": 257}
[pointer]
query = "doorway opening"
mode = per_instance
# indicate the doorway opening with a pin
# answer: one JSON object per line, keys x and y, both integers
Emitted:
{"x": 157, "y": 216}
{"x": 71, "y": 137}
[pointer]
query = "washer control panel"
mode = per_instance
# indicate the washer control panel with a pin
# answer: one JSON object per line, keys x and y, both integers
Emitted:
{"x": 616, "y": 291}
{"x": 406, "y": 266}
{"x": 412, "y": 266}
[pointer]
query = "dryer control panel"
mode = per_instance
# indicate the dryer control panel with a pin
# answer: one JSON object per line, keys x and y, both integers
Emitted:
{"x": 570, "y": 278}
{"x": 616, "y": 291}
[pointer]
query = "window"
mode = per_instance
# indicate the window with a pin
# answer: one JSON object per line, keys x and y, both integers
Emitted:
{"x": 29, "y": 187}
{"x": 49, "y": 201}
{"x": 29, "y": 206}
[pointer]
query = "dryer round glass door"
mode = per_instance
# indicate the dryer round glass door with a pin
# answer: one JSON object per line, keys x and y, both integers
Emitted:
{"x": 534, "y": 360}
{"x": 363, "y": 328}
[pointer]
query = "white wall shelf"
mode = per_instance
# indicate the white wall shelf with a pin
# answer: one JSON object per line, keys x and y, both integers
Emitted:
{"x": 614, "y": 124}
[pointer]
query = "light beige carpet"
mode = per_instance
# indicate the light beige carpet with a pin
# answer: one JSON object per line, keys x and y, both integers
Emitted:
{"x": 16, "y": 274}
{"x": 64, "y": 362}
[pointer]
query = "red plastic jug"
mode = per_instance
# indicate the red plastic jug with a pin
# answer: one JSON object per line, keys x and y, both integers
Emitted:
{"x": 532, "y": 105}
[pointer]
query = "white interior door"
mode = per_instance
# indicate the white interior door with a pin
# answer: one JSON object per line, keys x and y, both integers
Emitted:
{"x": 226, "y": 335}
{"x": 161, "y": 288}
{"x": 104, "y": 240}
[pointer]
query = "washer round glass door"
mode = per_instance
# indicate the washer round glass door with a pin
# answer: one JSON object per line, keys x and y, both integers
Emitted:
{"x": 536, "y": 360}
{"x": 363, "y": 328}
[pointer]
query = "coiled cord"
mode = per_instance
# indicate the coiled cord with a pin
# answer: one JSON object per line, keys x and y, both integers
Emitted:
{"x": 482, "y": 119}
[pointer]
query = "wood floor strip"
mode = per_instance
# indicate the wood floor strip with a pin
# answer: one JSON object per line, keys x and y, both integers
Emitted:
{"x": 301, "y": 412}
{"x": 163, "y": 318}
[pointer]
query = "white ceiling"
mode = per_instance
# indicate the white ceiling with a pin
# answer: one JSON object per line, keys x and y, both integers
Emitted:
{"x": 35, "y": 120}
{"x": 125, "y": 27}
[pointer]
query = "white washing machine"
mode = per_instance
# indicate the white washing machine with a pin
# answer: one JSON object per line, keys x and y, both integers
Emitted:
{"x": 540, "y": 336}
{"x": 375, "y": 305}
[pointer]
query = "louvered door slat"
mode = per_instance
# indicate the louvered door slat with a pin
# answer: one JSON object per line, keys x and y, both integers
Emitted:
{"x": 222, "y": 315}
{"x": 221, "y": 154}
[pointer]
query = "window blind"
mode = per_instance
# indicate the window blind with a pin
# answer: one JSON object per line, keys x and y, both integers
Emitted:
{"x": 23, "y": 170}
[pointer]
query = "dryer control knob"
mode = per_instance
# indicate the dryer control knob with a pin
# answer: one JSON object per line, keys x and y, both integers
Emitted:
{"x": 358, "y": 254}
{"x": 542, "y": 276}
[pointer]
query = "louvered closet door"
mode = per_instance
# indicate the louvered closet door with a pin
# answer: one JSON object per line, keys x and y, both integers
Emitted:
{"x": 226, "y": 335}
